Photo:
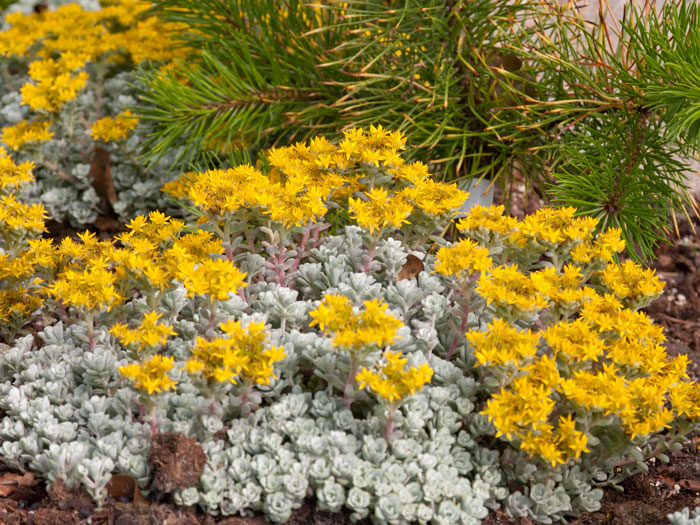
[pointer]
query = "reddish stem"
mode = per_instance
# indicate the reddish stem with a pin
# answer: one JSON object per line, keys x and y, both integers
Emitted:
{"x": 300, "y": 250}
{"x": 389, "y": 430}
{"x": 349, "y": 382}
{"x": 279, "y": 266}
{"x": 462, "y": 326}
{"x": 212, "y": 315}
{"x": 370, "y": 258}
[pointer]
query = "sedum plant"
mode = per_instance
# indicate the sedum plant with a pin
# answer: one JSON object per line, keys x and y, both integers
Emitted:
{"x": 512, "y": 90}
{"x": 64, "y": 104}
{"x": 511, "y": 369}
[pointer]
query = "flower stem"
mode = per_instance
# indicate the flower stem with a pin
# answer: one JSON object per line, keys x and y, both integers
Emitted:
{"x": 462, "y": 326}
{"x": 349, "y": 383}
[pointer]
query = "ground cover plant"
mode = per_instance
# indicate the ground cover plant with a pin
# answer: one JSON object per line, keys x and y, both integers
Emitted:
{"x": 379, "y": 368}
{"x": 65, "y": 98}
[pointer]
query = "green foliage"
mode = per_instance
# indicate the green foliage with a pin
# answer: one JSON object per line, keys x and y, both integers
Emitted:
{"x": 668, "y": 49}
{"x": 590, "y": 115}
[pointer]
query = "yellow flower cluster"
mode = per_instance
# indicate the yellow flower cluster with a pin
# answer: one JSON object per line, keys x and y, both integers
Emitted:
{"x": 151, "y": 376}
{"x": 148, "y": 334}
{"x": 18, "y": 135}
{"x": 524, "y": 410}
{"x": 598, "y": 356}
{"x": 64, "y": 40}
{"x": 487, "y": 224}
{"x": 154, "y": 251}
{"x": 22, "y": 256}
{"x": 54, "y": 84}
{"x": 574, "y": 341}
{"x": 216, "y": 278}
{"x": 13, "y": 176}
{"x": 553, "y": 226}
{"x": 17, "y": 216}
{"x": 631, "y": 284}
{"x": 91, "y": 288}
{"x": 356, "y": 331}
{"x": 510, "y": 289}
{"x": 379, "y": 210}
{"x": 502, "y": 344}
{"x": 364, "y": 172}
{"x": 17, "y": 303}
{"x": 391, "y": 380}
{"x": 465, "y": 256}
{"x": 114, "y": 128}
{"x": 605, "y": 246}
{"x": 241, "y": 354}
{"x": 240, "y": 192}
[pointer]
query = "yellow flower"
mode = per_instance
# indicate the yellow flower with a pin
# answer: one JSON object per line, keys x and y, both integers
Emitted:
{"x": 13, "y": 176}
{"x": 18, "y": 135}
{"x": 433, "y": 197}
{"x": 485, "y": 223}
{"x": 89, "y": 289}
{"x": 391, "y": 380}
{"x": 242, "y": 353}
{"x": 151, "y": 375}
{"x": 685, "y": 399}
{"x": 630, "y": 282}
{"x": 507, "y": 287}
{"x": 216, "y": 278}
{"x": 465, "y": 256}
{"x": 114, "y": 128}
{"x": 17, "y": 216}
{"x": 575, "y": 340}
{"x": 355, "y": 331}
{"x": 377, "y": 210}
{"x": 502, "y": 344}
{"x": 148, "y": 334}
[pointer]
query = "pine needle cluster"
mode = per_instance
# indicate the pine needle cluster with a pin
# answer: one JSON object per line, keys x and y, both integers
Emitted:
{"x": 591, "y": 115}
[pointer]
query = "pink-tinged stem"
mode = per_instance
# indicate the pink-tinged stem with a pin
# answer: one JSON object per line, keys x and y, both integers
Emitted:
{"x": 154, "y": 423}
{"x": 389, "y": 430}
{"x": 279, "y": 266}
{"x": 370, "y": 258}
{"x": 300, "y": 251}
{"x": 142, "y": 412}
{"x": 462, "y": 326}
{"x": 229, "y": 252}
{"x": 317, "y": 241}
{"x": 350, "y": 381}
{"x": 212, "y": 315}
{"x": 90, "y": 321}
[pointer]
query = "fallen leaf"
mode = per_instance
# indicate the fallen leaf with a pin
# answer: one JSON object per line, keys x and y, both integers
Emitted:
{"x": 411, "y": 268}
{"x": 10, "y": 482}
{"x": 690, "y": 484}
{"x": 124, "y": 486}
{"x": 101, "y": 176}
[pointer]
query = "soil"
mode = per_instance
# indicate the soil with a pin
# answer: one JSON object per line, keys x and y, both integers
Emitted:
{"x": 646, "y": 500}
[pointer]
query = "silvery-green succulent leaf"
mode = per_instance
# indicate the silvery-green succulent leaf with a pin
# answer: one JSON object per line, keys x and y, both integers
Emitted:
{"x": 278, "y": 506}
{"x": 330, "y": 495}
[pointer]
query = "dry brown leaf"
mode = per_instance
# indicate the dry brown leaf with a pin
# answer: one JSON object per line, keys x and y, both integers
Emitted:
{"x": 411, "y": 268}
{"x": 101, "y": 176}
{"x": 124, "y": 486}
{"x": 10, "y": 481}
{"x": 690, "y": 484}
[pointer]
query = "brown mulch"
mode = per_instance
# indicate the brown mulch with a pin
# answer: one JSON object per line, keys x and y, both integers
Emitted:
{"x": 647, "y": 498}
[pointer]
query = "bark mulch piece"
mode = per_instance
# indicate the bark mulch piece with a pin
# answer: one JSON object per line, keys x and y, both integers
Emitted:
{"x": 176, "y": 461}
